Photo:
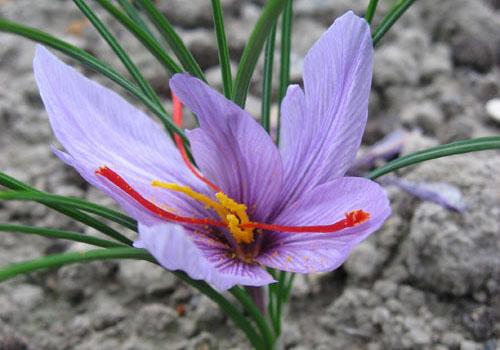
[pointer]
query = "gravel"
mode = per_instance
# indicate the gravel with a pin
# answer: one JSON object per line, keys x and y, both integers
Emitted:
{"x": 429, "y": 279}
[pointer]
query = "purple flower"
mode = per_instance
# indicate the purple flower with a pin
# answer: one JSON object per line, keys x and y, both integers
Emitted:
{"x": 290, "y": 208}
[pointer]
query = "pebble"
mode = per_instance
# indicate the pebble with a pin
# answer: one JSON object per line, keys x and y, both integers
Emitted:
{"x": 493, "y": 109}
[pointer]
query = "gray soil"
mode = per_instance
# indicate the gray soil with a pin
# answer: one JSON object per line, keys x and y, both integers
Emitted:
{"x": 429, "y": 279}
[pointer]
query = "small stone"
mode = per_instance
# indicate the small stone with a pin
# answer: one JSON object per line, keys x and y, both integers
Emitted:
{"x": 424, "y": 114}
{"x": 13, "y": 343}
{"x": 470, "y": 345}
{"x": 452, "y": 339}
{"x": 203, "y": 341}
{"x": 380, "y": 315}
{"x": 108, "y": 315}
{"x": 364, "y": 261}
{"x": 493, "y": 109}
{"x": 153, "y": 320}
{"x": 394, "y": 66}
{"x": 207, "y": 313}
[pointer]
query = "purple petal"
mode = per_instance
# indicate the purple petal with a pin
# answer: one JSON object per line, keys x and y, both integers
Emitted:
{"x": 98, "y": 127}
{"x": 442, "y": 193}
{"x": 384, "y": 150}
{"x": 326, "y": 204}
{"x": 322, "y": 129}
{"x": 231, "y": 148}
{"x": 205, "y": 260}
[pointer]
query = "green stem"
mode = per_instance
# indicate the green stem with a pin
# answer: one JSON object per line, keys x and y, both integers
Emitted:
{"x": 225, "y": 63}
{"x": 60, "y": 234}
{"x": 458, "y": 147}
{"x": 256, "y": 314}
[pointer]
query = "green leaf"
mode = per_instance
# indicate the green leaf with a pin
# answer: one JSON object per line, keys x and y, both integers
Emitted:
{"x": 74, "y": 203}
{"x": 60, "y": 234}
{"x": 255, "y": 313}
{"x": 93, "y": 63}
{"x": 224, "y": 60}
{"x": 458, "y": 147}
{"x": 58, "y": 260}
{"x": 267, "y": 80}
{"x": 370, "y": 10}
{"x": 286, "y": 47}
{"x": 254, "y": 47}
{"x": 88, "y": 220}
{"x": 134, "y": 15}
{"x": 172, "y": 38}
{"x": 392, "y": 16}
{"x": 143, "y": 36}
{"x": 119, "y": 51}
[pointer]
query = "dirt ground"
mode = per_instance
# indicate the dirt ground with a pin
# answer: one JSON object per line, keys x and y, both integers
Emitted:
{"x": 429, "y": 279}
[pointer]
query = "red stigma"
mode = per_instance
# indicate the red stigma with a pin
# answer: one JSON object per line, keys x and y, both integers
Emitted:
{"x": 352, "y": 218}
{"x": 120, "y": 182}
{"x": 177, "y": 117}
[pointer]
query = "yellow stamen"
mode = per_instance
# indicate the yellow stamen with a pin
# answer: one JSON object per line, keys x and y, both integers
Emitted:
{"x": 244, "y": 235}
{"x": 239, "y": 209}
{"x": 240, "y": 235}
{"x": 219, "y": 209}
{"x": 231, "y": 212}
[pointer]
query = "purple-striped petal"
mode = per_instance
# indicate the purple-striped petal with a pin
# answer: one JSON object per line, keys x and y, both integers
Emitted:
{"x": 98, "y": 127}
{"x": 442, "y": 193}
{"x": 231, "y": 148}
{"x": 200, "y": 257}
{"x": 326, "y": 204}
{"x": 322, "y": 127}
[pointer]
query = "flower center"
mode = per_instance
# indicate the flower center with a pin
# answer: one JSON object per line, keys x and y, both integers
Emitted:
{"x": 232, "y": 213}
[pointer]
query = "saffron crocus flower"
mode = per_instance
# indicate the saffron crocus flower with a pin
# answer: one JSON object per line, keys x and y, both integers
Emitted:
{"x": 252, "y": 205}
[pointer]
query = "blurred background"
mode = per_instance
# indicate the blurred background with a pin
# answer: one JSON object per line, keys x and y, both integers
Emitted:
{"x": 429, "y": 279}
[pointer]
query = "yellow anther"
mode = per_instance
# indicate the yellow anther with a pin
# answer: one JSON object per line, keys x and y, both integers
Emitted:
{"x": 219, "y": 209}
{"x": 239, "y": 234}
{"x": 234, "y": 214}
{"x": 239, "y": 209}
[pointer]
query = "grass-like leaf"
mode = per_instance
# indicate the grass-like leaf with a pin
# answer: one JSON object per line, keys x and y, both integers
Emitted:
{"x": 224, "y": 60}
{"x": 388, "y": 21}
{"x": 71, "y": 202}
{"x": 119, "y": 51}
{"x": 458, "y": 147}
{"x": 60, "y": 234}
{"x": 58, "y": 260}
{"x": 253, "y": 49}
{"x": 143, "y": 36}
{"x": 267, "y": 80}
{"x": 16, "y": 185}
{"x": 172, "y": 38}
{"x": 370, "y": 10}
{"x": 285, "y": 51}
{"x": 93, "y": 63}
{"x": 134, "y": 15}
